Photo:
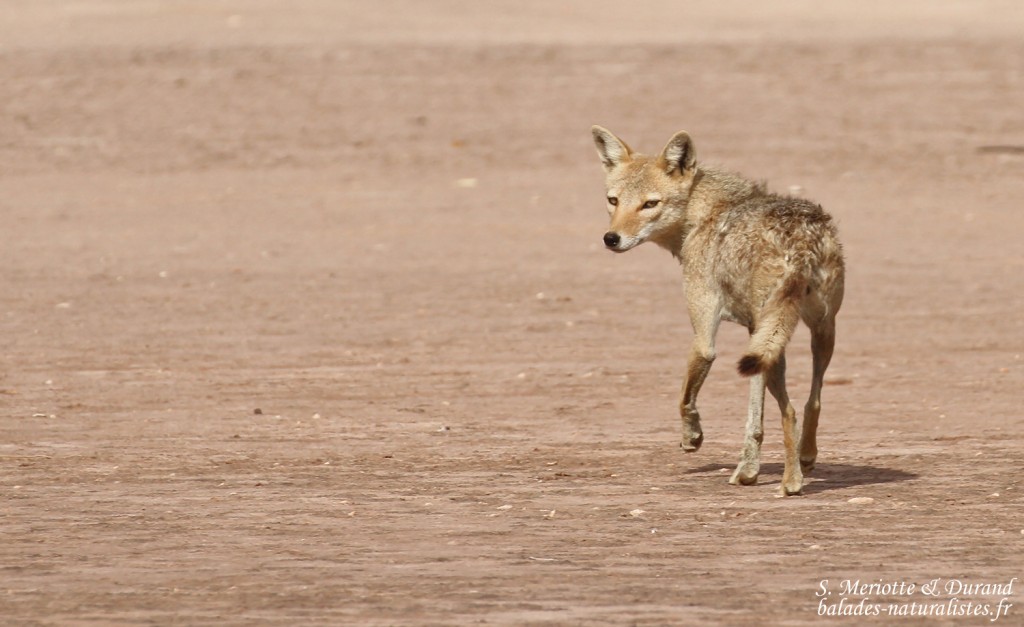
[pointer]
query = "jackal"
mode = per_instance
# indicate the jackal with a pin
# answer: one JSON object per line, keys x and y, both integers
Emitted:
{"x": 759, "y": 259}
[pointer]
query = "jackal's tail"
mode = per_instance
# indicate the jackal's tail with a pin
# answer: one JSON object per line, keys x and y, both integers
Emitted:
{"x": 775, "y": 326}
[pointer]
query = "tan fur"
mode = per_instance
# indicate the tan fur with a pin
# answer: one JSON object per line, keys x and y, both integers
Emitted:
{"x": 748, "y": 256}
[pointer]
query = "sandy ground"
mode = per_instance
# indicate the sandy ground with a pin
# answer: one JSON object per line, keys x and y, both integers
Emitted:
{"x": 306, "y": 319}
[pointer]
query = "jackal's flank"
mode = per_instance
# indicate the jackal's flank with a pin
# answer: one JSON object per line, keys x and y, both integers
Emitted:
{"x": 748, "y": 256}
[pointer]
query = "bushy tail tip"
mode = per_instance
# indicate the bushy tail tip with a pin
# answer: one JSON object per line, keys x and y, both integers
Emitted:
{"x": 749, "y": 365}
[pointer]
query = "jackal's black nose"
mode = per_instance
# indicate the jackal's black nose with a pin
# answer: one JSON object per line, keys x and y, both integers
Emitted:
{"x": 611, "y": 239}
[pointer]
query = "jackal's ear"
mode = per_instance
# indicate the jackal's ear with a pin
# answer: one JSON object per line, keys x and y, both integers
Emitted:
{"x": 679, "y": 155}
{"x": 611, "y": 149}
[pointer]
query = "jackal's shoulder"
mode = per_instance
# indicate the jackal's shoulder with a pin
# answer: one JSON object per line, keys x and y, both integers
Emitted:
{"x": 735, "y": 198}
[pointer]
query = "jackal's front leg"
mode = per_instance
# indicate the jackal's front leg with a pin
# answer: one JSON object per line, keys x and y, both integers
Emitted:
{"x": 705, "y": 321}
{"x": 696, "y": 372}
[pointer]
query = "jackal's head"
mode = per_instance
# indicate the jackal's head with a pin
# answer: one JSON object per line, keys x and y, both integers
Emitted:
{"x": 647, "y": 196}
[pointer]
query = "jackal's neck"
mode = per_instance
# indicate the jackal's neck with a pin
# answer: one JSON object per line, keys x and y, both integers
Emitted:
{"x": 672, "y": 238}
{"x": 712, "y": 192}
{"x": 716, "y": 190}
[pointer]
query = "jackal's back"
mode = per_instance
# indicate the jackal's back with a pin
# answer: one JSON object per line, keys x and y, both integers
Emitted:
{"x": 751, "y": 241}
{"x": 772, "y": 229}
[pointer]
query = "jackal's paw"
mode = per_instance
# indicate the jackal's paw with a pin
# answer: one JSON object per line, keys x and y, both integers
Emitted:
{"x": 691, "y": 442}
{"x": 807, "y": 465}
{"x": 792, "y": 486}
{"x": 745, "y": 474}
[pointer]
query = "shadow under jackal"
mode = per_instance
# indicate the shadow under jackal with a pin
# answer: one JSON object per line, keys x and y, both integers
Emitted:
{"x": 759, "y": 259}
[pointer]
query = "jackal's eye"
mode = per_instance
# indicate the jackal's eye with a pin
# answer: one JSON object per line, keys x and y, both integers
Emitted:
{"x": 613, "y": 201}
{"x": 651, "y": 204}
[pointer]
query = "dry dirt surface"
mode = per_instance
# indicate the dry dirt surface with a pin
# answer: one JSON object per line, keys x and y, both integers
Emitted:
{"x": 306, "y": 318}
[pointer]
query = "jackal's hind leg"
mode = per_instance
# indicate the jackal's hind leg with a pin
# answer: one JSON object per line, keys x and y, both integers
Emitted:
{"x": 750, "y": 459}
{"x": 792, "y": 475}
{"x": 823, "y": 339}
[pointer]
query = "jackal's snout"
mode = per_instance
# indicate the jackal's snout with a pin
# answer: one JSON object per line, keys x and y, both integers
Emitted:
{"x": 612, "y": 239}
